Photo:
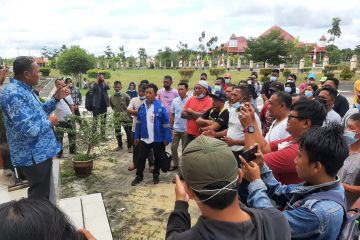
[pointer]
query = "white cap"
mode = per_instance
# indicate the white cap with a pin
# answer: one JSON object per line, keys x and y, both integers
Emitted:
{"x": 204, "y": 84}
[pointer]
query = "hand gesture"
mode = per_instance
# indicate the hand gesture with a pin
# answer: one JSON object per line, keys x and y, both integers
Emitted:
{"x": 62, "y": 93}
{"x": 180, "y": 192}
{"x": 229, "y": 141}
{"x": 247, "y": 115}
{"x": 86, "y": 234}
{"x": 250, "y": 169}
{"x": 53, "y": 119}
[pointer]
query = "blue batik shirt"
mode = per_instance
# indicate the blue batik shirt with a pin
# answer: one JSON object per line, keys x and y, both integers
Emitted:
{"x": 29, "y": 132}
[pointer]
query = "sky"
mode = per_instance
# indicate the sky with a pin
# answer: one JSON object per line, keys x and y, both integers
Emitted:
{"x": 26, "y": 26}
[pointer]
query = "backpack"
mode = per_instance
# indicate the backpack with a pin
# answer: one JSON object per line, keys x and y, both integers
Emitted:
{"x": 349, "y": 228}
{"x": 89, "y": 99}
{"x": 165, "y": 162}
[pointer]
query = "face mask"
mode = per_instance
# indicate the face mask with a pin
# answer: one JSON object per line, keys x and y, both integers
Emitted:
{"x": 350, "y": 137}
{"x": 236, "y": 105}
{"x": 227, "y": 80}
{"x": 288, "y": 89}
{"x": 217, "y": 88}
{"x": 358, "y": 106}
{"x": 201, "y": 96}
{"x": 142, "y": 98}
{"x": 273, "y": 78}
{"x": 308, "y": 93}
{"x": 290, "y": 80}
{"x": 249, "y": 82}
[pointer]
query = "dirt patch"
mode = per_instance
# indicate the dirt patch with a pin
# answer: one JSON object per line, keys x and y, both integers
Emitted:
{"x": 139, "y": 212}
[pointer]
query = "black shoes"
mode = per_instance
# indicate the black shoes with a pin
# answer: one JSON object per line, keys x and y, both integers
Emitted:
{"x": 136, "y": 181}
{"x": 156, "y": 179}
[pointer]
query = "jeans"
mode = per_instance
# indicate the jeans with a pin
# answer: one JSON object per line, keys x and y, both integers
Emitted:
{"x": 176, "y": 137}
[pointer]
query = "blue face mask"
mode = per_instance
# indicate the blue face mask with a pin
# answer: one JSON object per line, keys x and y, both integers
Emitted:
{"x": 236, "y": 105}
{"x": 217, "y": 88}
{"x": 227, "y": 80}
{"x": 350, "y": 137}
{"x": 308, "y": 93}
{"x": 201, "y": 96}
{"x": 288, "y": 89}
{"x": 273, "y": 78}
{"x": 358, "y": 106}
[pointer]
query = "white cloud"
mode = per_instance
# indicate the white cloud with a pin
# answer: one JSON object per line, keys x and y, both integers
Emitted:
{"x": 94, "y": 24}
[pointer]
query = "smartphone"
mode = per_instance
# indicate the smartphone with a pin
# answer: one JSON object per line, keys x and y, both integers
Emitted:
{"x": 249, "y": 155}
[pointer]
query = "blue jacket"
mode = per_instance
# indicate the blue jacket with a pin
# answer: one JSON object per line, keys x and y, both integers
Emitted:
{"x": 161, "y": 123}
{"x": 308, "y": 219}
{"x": 29, "y": 132}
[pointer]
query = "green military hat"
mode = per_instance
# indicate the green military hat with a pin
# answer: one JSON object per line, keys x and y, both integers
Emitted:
{"x": 206, "y": 161}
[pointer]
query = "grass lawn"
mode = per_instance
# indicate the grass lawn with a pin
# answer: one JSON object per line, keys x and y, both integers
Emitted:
{"x": 156, "y": 76}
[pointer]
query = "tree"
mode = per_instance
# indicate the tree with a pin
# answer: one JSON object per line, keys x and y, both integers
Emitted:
{"x": 131, "y": 60}
{"x": 121, "y": 54}
{"x": 334, "y": 30}
{"x": 108, "y": 53}
{"x": 184, "y": 51}
{"x": 357, "y": 51}
{"x": 347, "y": 53}
{"x": 166, "y": 56}
{"x": 334, "y": 54}
{"x": 142, "y": 55}
{"x": 271, "y": 48}
{"x": 298, "y": 51}
{"x": 75, "y": 61}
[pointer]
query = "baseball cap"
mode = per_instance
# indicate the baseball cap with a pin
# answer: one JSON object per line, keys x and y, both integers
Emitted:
{"x": 227, "y": 75}
{"x": 203, "y": 83}
{"x": 206, "y": 161}
{"x": 312, "y": 75}
{"x": 219, "y": 95}
{"x": 323, "y": 79}
{"x": 277, "y": 86}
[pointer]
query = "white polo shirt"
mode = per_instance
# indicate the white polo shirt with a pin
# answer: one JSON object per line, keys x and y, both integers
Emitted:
{"x": 62, "y": 109}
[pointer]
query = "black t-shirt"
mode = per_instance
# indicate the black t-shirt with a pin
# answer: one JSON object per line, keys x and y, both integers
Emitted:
{"x": 266, "y": 89}
{"x": 341, "y": 105}
{"x": 221, "y": 117}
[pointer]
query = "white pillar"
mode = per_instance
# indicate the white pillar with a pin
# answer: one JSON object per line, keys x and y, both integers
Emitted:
{"x": 353, "y": 62}
{"x": 251, "y": 64}
{"x": 325, "y": 61}
{"x": 301, "y": 64}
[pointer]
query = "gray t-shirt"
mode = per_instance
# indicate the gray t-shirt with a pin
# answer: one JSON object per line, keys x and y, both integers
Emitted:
{"x": 350, "y": 174}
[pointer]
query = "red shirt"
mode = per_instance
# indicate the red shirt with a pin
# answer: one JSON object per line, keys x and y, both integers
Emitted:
{"x": 281, "y": 161}
{"x": 198, "y": 105}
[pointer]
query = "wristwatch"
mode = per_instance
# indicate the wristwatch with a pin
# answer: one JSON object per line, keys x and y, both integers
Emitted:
{"x": 249, "y": 129}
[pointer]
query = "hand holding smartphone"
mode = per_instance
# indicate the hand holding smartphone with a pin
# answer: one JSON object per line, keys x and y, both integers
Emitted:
{"x": 249, "y": 155}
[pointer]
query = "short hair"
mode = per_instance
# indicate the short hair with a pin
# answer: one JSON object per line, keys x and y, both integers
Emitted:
{"x": 245, "y": 91}
{"x": 117, "y": 82}
{"x": 332, "y": 91}
{"x": 168, "y": 77}
{"x": 355, "y": 117}
{"x": 275, "y": 70}
{"x": 35, "y": 219}
{"x": 219, "y": 201}
{"x": 313, "y": 86}
{"x": 293, "y": 76}
{"x": 334, "y": 80}
{"x": 56, "y": 80}
{"x": 221, "y": 79}
{"x": 312, "y": 110}
{"x": 153, "y": 86}
{"x": 22, "y": 64}
{"x": 67, "y": 80}
{"x": 145, "y": 81}
{"x": 327, "y": 146}
{"x": 284, "y": 98}
{"x": 254, "y": 73}
{"x": 142, "y": 87}
{"x": 203, "y": 74}
{"x": 184, "y": 84}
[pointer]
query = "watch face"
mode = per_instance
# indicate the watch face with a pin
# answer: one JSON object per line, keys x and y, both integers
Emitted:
{"x": 251, "y": 129}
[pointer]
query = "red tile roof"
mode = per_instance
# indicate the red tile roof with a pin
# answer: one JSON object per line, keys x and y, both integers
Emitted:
{"x": 241, "y": 45}
{"x": 287, "y": 36}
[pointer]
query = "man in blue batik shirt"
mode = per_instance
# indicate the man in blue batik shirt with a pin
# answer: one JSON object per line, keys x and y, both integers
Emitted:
{"x": 28, "y": 125}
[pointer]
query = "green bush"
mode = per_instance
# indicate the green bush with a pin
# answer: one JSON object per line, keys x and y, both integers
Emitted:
{"x": 346, "y": 73}
{"x": 265, "y": 71}
{"x": 330, "y": 68}
{"x": 45, "y": 72}
{"x": 307, "y": 69}
{"x": 329, "y": 75}
{"x": 92, "y": 73}
{"x": 217, "y": 71}
{"x": 186, "y": 74}
{"x": 264, "y": 79}
{"x": 286, "y": 73}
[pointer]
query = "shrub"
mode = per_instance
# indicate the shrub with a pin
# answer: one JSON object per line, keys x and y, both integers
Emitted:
{"x": 265, "y": 71}
{"x": 264, "y": 79}
{"x": 92, "y": 73}
{"x": 286, "y": 73}
{"x": 217, "y": 71}
{"x": 186, "y": 74}
{"x": 307, "y": 69}
{"x": 45, "y": 72}
{"x": 329, "y": 75}
{"x": 330, "y": 68}
{"x": 346, "y": 73}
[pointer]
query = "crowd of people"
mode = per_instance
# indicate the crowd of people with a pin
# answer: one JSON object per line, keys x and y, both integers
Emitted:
{"x": 288, "y": 168}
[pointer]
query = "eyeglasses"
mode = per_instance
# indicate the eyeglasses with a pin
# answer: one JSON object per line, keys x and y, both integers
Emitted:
{"x": 297, "y": 117}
